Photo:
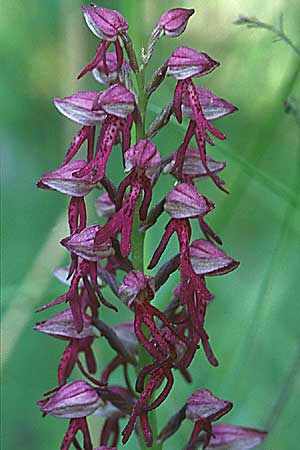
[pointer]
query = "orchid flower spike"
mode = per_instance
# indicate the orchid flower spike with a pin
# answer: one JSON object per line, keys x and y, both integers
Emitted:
{"x": 108, "y": 25}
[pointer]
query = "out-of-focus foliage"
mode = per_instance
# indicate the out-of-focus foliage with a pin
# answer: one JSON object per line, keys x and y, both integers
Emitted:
{"x": 254, "y": 320}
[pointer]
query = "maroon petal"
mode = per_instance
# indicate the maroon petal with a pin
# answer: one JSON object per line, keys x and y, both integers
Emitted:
{"x": 208, "y": 231}
{"x": 177, "y": 100}
{"x": 76, "y": 214}
{"x": 147, "y": 432}
{"x": 62, "y": 274}
{"x": 75, "y": 306}
{"x": 67, "y": 363}
{"x": 105, "y": 142}
{"x": 71, "y": 432}
{"x": 169, "y": 230}
{"x": 57, "y": 301}
{"x": 126, "y": 228}
{"x": 146, "y": 199}
{"x": 110, "y": 229}
{"x": 180, "y": 154}
{"x": 83, "y": 134}
{"x": 90, "y": 359}
{"x": 119, "y": 54}
{"x": 99, "y": 56}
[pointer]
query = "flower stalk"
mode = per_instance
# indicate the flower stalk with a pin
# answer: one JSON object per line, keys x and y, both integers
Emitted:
{"x": 138, "y": 248}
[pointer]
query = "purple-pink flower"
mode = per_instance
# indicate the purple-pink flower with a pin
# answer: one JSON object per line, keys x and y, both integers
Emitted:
{"x": 62, "y": 327}
{"x": 108, "y": 71}
{"x": 73, "y": 400}
{"x": 202, "y": 408}
{"x": 108, "y": 25}
{"x": 83, "y": 244}
{"x": 141, "y": 161}
{"x": 108, "y": 260}
{"x": 80, "y": 108}
{"x": 64, "y": 181}
{"x": 174, "y": 21}
{"x": 104, "y": 23}
{"x": 184, "y": 64}
{"x": 234, "y": 437}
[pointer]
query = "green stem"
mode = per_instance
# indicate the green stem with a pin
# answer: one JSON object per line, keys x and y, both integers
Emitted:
{"x": 138, "y": 248}
{"x": 253, "y": 22}
{"x": 142, "y": 103}
{"x": 139, "y": 236}
{"x": 137, "y": 252}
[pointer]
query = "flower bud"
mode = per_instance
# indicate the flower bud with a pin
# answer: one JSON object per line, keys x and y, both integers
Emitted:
{"x": 108, "y": 73}
{"x": 207, "y": 259}
{"x": 144, "y": 156}
{"x": 62, "y": 325}
{"x": 204, "y": 405}
{"x": 184, "y": 201}
{"x": 104, "y": 206}
{"x": 174, "y": 21}
{"x": 160, "y": 121}
{"x": 83, "y": 244}
{"x": 186, "y": 62}
{"x": 79, "y": 107}
{"x": 104, "y": 23}
{"x": 117, "y": 101}
{"x": 134, "y": 284}
{"x": 157, "y": 78}
{"x": 62, "y": 180}
{"x": 212, "y": 106}
{"x": 73, "y": 400}
{"x": 235, "y": 438}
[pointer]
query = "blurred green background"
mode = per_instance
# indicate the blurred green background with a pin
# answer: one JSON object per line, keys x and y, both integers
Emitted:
{"x": 254, "y": 321}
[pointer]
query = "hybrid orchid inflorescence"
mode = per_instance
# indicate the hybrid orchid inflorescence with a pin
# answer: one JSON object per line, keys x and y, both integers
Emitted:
{"x": 157, "y": 343}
